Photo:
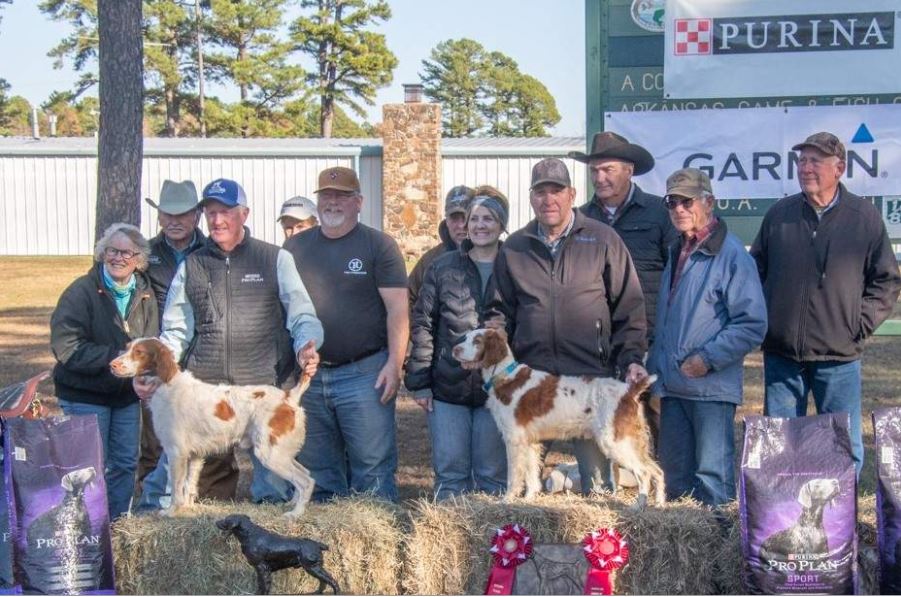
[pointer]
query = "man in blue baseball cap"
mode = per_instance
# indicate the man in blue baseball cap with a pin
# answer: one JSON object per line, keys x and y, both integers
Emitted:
{"x": 229, "y": 312}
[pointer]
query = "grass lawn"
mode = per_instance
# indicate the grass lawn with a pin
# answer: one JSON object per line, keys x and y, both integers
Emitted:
{"x": 30, "y": 287}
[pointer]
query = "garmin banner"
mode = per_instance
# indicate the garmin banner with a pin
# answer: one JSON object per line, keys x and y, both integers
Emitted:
{"x": 771, "y": 48}
{"x": 747, "y": 152}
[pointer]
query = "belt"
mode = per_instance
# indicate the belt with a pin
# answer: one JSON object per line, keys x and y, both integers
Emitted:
{"x": 360, "y": 357}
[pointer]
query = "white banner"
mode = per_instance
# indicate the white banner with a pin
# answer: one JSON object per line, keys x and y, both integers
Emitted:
{"x": 747, "y": 152}
{"x": 779, "y": 48}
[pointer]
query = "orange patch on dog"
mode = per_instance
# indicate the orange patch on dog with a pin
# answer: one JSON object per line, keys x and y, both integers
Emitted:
{"x": 259, "y": 394}
{"x": 282, "y": 422}
{"x": 504, "y": 390}
{"x": 224, "y": 411}
{"x": 628, "y": 419}
{"x": 494, "y": 347}
{"x": 538, "y": 401}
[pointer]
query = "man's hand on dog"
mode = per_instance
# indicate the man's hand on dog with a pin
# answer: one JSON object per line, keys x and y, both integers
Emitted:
{"x": 145, "y": 386}
{"x": 308, "y": 358}
{"x": 635, "y": 373}
{"x": 694, "y": 366}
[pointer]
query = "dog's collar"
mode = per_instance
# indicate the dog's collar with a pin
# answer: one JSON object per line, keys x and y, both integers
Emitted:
{"x": 498, "y": 376}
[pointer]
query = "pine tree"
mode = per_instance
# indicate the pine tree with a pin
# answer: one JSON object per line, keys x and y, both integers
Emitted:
{"x": 120, "y": 142}
{"x": 453, "y": 78}
{"x": 351, "y": 62}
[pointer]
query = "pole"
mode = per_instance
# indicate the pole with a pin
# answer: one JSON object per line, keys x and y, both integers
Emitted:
{"x": 197, "y": 21}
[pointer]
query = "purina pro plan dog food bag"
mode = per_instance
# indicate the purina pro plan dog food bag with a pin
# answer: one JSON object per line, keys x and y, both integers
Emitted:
{"x": 57, "y": 503}
{"x": 887, "y": 426}
{"x": 798, "y": 506}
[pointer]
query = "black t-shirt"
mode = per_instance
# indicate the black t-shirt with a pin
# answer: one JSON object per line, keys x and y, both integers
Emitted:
{"x": 343, "y": 276}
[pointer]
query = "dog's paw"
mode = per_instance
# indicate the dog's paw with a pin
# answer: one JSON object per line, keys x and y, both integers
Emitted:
{"x": 170, "y": 512}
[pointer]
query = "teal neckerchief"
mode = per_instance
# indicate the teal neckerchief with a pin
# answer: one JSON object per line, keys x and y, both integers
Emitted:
{"x": 121, "y": 294}
{"x": 507, "y": 371}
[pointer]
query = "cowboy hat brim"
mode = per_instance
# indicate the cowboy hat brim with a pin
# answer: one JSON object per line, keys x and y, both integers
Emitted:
{"x": 636, "y": 154}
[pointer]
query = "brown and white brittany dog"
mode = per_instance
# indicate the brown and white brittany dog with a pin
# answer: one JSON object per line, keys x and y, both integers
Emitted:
{"x": 531, "y": 406}
{"x": 193, "y": 420}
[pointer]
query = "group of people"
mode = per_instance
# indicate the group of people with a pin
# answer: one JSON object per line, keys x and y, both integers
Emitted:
{"x": 627, "y": 284}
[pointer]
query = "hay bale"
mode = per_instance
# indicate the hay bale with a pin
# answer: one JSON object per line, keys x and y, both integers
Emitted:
{"x": 190, "y": 556}
{"x": 671, "y": 547}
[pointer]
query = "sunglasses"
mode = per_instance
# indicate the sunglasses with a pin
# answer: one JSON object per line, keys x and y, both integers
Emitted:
{"x": 673, "y": 201}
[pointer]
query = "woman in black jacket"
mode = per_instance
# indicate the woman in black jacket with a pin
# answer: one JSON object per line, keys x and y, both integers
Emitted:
{"x": 95, "y": 318}
{"x": 467, "y": 449}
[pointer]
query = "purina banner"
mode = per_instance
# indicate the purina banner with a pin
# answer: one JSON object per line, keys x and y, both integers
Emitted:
{"x": 779, "y": 48}
{"x": 747, "y": 152}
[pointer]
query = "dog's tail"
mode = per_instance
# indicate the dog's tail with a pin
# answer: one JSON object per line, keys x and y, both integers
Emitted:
{"x": 302, "y": 384}
{"x": 640, "y": 387}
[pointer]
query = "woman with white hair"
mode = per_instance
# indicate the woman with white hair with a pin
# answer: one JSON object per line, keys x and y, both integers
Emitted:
{"x": 95, "y": 318}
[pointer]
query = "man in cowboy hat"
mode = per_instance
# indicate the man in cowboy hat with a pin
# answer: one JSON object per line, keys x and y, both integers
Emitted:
{"x": 179, "y": 236}
{"x": 639, "y": 218}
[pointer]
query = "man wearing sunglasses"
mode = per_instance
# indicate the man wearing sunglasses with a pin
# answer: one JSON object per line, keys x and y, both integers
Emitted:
{"x": 831, "y": 278}
{"x": 710, "y": 314}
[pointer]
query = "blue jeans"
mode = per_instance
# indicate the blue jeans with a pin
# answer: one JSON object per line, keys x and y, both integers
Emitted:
{"x": 468, "y": 452}
{"x": 836, "y": 388}
{"x": 120, "y": 430}
{"x": 595, "y": 469}
{"x": 347, "y": 427}
{"x": 697, "y": 449}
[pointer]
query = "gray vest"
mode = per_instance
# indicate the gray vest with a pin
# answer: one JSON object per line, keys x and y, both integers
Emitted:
{"x": 239, "y": 322}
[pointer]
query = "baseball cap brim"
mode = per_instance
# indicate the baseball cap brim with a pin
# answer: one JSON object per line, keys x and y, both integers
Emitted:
{"x": 555, "y": 181}
{"x": 336, "y": 187}
{"x": 817, "y": 146}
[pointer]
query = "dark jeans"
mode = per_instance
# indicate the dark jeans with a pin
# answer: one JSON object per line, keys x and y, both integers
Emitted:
{"x": 835, "y": 386}
{"x": 697, "y": 449}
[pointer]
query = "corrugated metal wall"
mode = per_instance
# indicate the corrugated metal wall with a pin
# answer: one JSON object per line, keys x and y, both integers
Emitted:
{"x": 510, "y": 175}
{"x": 47, "y": 197}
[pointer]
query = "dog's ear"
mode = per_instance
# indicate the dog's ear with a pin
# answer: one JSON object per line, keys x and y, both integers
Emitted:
{"x": 494, "y": 347}
{"x": 804, "y": 495}
{"x": 162, "y": 359}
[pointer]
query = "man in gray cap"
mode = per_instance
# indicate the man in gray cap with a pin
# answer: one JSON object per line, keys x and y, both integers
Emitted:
{"x": 297, "y": 214}
{"x": 830, "y": 278}
{"x": 451, "y": 231}
{"x": 570, "y": 299}
{"x": 711, "y": 314}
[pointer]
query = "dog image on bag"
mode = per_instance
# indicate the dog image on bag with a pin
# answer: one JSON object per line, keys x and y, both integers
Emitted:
{"x": 69, "y": 521}
{"x": 807, "y": 536}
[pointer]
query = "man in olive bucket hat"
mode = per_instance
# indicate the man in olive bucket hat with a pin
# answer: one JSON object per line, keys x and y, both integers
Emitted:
{"x": 639, "y": 218}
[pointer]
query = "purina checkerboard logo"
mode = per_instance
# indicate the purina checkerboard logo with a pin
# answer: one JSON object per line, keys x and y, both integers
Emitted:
{"x": 694, "y": 37}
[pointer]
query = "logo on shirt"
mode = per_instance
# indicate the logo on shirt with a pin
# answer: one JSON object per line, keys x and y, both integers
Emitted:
{"x": 154, "y": 260}
{"x": 252, "y": 279}
{"x": 355, "y": 267}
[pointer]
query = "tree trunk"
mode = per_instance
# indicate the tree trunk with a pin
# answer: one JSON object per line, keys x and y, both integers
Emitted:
{"x": 172, "y": 108}
{"x": 326, "y": 116}
{"x": 120, "y": 145}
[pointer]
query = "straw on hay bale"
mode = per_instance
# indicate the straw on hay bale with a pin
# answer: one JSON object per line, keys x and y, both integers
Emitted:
{"x": 189, "y": 556}
{"x": 674, "y": 549}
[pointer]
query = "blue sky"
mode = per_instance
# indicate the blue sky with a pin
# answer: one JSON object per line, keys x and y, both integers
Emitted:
{"x": 547, "y": 39}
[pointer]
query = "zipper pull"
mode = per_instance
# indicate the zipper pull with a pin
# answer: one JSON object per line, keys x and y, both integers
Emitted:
{"x": 127, "y": 329}
{"x": 227, "y": 266}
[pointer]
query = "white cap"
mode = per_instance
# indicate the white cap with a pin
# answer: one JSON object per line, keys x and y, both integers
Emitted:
{"x": 299, "y": 208}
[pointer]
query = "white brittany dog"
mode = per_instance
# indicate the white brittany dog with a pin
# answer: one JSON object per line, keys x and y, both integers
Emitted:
{"x": 531, "y": 406}
{"x": 193, "y": 419}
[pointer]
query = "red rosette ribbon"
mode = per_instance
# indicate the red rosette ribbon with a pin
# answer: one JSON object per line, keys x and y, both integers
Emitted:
{"x": 511, "y": 546}
{"x": 606, "y": 550}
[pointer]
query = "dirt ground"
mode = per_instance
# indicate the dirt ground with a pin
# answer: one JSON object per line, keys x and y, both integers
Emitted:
{"x": 30, "y": 287}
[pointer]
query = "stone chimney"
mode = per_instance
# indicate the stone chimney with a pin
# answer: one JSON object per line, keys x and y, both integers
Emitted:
{"x": 411, "y": 172}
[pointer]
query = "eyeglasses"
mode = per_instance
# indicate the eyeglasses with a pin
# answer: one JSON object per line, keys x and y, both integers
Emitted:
{"x": 672, "y": 201}
{"x": 113, "y": 252}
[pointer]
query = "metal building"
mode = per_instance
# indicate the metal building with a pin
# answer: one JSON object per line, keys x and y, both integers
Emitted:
{"x": 48, "y": 187}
